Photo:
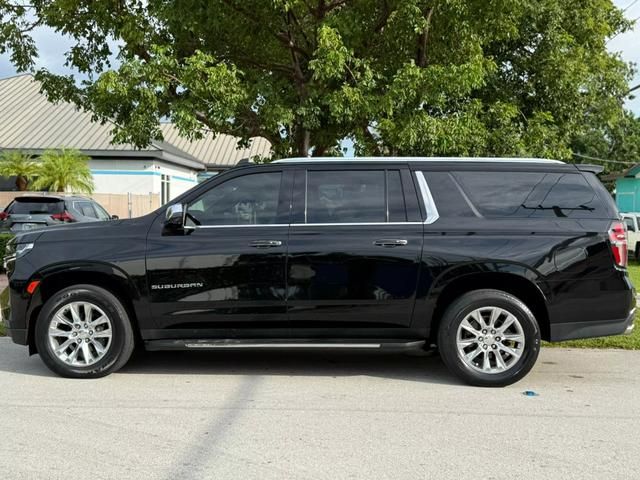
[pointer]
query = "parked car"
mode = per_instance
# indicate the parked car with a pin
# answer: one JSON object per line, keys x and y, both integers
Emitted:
{"x": 633, "y": 232}
{"x": 38, "y": 211}
{"x": 481, "y": 257}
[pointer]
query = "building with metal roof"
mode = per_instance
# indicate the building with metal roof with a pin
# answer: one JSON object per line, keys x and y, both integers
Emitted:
{"x": 31, "y": 124}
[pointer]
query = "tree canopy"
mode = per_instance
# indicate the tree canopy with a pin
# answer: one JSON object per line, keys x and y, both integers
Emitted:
{"x": 405, "y": 77}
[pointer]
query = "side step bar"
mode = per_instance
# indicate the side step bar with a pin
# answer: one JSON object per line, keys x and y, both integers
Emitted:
{"x": 227, "y": 344}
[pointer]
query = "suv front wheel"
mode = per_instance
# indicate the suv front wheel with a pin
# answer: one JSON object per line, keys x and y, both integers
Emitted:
{"x": 84, "y": 332}
{"x": 489, "y": 338}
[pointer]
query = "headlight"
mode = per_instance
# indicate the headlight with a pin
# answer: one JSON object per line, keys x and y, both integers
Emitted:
{"x": 23, "y": 248}
{"x": 13, "y": 251}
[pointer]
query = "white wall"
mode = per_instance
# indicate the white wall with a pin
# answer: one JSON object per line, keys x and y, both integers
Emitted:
{"x": 139, "y": 176}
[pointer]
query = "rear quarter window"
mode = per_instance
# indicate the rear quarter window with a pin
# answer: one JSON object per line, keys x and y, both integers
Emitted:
{"x": 530, "y": 194}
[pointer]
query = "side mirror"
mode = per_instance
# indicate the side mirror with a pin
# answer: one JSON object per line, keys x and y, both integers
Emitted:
{"x": 174, "y": 219}
{"x": 115, "y": 217}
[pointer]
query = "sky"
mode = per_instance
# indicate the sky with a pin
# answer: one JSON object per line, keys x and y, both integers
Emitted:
{"x": 52, "y": 47}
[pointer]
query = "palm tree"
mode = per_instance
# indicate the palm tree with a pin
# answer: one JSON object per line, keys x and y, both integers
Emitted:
{"x": 64, "y": 169}
{"x": 19, "y": 165}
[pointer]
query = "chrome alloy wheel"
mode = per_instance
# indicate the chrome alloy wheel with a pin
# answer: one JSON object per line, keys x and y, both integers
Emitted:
{"x": 490, "y": 340}
{"x": 80, "y": 334}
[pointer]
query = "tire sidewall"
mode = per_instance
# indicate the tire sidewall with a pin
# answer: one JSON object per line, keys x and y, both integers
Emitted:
{"x": 479, "y": 299}
{"x": 101, "y": 298}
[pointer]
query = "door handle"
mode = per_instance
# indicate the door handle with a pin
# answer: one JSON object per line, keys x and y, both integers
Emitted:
{"x": 265, "y": 243}
{"x": 390, "y": 242}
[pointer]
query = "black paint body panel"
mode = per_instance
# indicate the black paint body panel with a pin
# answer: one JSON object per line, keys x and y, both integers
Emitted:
{"x": 327, "y": 281}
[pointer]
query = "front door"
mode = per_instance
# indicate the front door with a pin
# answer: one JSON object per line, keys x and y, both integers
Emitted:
{"x": 225, "y": 276}
{"x": 354, "y": 252}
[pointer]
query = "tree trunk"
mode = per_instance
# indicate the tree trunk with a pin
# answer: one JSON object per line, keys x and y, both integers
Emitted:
{"x": 21, "y": 183}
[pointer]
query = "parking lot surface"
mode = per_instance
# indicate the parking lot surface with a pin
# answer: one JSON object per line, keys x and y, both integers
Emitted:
{"x": 319, "y": 415}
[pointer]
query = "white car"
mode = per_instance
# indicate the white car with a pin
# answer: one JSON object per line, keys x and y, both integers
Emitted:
{"x": 632, "y": 220}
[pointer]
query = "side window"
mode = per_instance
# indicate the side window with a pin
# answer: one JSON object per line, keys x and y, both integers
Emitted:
{"x": 447, "y": 195}
{"x": 248, "y": 200}
{"x": 346, "y": 196}
{"x": 85, "y": 208}
{"x": 630, "y": 224}
{"x": 530, "y": 194}
{"x": 101, "y": 212}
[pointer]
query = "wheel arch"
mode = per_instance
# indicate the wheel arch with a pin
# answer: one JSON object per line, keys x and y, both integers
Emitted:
{"x": 99, "y": 274}
{"x": 519, "y": 281}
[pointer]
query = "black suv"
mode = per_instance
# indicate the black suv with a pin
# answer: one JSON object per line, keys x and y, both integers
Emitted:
{"x": 481, "y": 257}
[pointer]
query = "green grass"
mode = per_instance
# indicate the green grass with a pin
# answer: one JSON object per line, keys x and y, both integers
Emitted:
{"x": 626, "y": 342}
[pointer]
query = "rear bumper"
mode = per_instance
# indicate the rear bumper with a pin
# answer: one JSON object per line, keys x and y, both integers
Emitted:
{"x": 575, "y": 330}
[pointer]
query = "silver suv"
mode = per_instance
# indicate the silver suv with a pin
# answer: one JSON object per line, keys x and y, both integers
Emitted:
{"x": 38, "y": 211}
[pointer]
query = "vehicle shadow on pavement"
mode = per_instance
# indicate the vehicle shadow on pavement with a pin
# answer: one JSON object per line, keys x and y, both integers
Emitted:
{"x": 419, "y": 367}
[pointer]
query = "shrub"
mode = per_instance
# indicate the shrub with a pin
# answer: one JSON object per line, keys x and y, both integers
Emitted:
{"x": 4, "y": 238}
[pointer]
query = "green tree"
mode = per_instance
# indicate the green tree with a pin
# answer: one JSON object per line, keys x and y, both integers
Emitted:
{"x": 19, "y": 165}
{"x": 64, "y": 170}
{"x": 428, "y": 77}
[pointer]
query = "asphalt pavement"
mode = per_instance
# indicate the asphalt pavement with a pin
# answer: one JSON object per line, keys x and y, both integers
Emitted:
{"x": 319, "y": 415}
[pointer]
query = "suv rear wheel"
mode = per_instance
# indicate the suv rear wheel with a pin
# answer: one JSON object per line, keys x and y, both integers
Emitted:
{"x": 489, "y": 338}
{"x": 84, "y": 332}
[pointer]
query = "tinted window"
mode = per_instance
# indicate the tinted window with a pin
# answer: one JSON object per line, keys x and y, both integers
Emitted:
{"x": 85, "y": 209}
{"x": 447, "y": 195}
{"x": 248, "y": 200}
{"x": 395, "y": 195}
{"x": 630, "y": 226}
{"x": 530, "y": 194}
{"x": 36, "y": 206}
{"x": 346, "y": 196}
{"x": 101, "y": 212}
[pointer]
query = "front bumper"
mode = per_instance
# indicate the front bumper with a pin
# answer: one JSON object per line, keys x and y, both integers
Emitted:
{"x": 17, "y": 334}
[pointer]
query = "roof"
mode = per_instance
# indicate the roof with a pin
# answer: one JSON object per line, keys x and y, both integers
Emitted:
{"x": 420, "y": 159}
{"x": 216, "y": 151}
{"x": 30, "y": 123}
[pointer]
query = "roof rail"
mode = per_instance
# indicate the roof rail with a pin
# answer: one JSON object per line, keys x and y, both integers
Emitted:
{"x": 587, "y": 167}
{"x": 418, "y": 159}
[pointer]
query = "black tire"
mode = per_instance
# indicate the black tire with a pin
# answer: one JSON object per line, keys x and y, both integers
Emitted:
{"x": 637, "y": 252}
{"x": 122, "y": 340}
{"x": 456, "y": 313}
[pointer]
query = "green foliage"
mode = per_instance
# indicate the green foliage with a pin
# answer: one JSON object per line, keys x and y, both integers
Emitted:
{"x": 64, "y": 170}
{"x": 4, "y": 239}
{"x": 19, "y": 165}
{"x": 407, "y": 77}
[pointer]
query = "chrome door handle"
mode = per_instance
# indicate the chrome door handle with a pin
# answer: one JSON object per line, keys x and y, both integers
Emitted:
{"x": 265, "y": 243}
{"x": 390, "y": 242}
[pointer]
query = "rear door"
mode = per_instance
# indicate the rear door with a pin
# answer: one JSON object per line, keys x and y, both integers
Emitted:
{"x": 354, "y": 250}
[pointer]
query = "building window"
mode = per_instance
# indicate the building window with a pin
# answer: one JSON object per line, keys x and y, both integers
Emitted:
{"x": 165, "y": 188}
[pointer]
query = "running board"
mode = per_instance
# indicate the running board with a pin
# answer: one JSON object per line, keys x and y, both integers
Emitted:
{"x": 226, "y": 344}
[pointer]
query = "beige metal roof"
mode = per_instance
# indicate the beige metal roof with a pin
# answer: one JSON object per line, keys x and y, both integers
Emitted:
{"x": 219, "y": 151}
{"x": 29, "y": 122}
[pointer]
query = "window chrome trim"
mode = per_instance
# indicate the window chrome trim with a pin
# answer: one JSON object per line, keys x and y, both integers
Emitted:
{"x": 197, "y": 227}
{"x": 352, "y": 224}
{"x": 429, "y": 203}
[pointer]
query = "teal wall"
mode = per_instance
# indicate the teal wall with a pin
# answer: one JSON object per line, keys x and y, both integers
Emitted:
{"x": 628, "y": 194}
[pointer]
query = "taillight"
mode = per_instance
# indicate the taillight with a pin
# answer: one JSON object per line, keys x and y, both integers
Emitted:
{"x": 4, "y": 215}
{"x": 618, "y": 239}
{"x": 63, "y": 217}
